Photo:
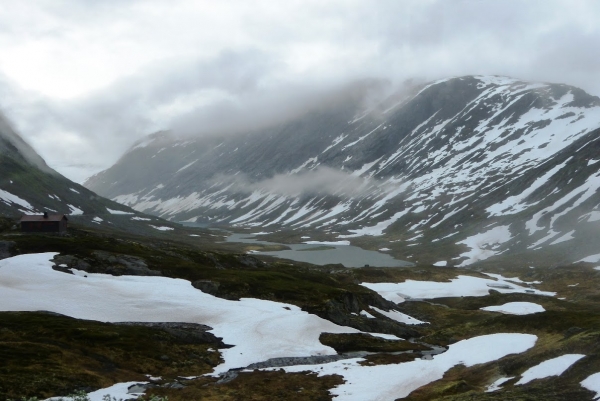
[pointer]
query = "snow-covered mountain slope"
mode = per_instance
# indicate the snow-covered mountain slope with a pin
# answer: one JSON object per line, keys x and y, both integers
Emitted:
{"x": 485, "y": 164}
{"x": 28, "y": 185}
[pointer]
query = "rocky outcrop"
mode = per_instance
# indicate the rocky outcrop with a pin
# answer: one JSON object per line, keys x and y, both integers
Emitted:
{"x": 106, "y": 263}
{"x": 207, "y": 286}
{"x": 345, "y": 311}
{"x": 191, "y": 333}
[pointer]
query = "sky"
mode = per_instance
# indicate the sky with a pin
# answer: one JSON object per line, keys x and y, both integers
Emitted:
{"x": 81, "y": 81}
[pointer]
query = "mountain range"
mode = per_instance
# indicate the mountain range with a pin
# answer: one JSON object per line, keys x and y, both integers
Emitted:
{"x": 458, "y": 171}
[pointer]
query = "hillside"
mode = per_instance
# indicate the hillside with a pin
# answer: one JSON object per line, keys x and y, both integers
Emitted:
{"x": 460, "y": 171}
{"x": 104, "y": 313}
{"x": 29, "y": 186}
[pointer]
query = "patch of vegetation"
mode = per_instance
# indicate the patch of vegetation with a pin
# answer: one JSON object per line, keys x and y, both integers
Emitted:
{"x": 6, "y": 223}
{"x": 317, "y": 248}
{"x": 418, "y": 273}
{"x": 389, "y": 359}
{"x": 47, "y": 354}
{"x": 257, "y": 386}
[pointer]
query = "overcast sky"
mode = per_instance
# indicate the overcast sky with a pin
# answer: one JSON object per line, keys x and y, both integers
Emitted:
{"x": 82, "y": 80}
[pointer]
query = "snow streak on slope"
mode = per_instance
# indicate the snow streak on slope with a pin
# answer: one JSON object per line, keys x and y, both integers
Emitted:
{"x": 9, "y": 199}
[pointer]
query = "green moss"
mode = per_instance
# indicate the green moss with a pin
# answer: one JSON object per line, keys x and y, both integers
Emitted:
{"x": 317, "y": 248}
{"x": 257, "y": 386}
{"x": 45, "y": 354}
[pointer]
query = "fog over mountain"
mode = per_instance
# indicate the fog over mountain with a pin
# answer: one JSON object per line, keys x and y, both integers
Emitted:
{"x": 477, "y": 165}
{"x": 113, "y": 72}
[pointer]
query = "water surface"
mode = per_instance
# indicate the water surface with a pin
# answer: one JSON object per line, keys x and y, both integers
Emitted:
{"x": 348, "y": 255}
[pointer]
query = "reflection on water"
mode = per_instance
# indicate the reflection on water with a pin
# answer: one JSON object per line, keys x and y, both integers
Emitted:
{"x": 348, "y": 255}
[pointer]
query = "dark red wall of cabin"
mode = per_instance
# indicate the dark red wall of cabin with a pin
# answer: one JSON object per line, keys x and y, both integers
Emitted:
{"x": 43, "y": 226}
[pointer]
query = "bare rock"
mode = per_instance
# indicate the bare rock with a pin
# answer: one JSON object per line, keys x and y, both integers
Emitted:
{"x": 207, "y": 286}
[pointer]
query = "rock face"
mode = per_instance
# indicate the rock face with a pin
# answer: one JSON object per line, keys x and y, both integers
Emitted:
{"x": 477, "y": 166}
{"x": 207, "y": 286}
{"x": 105, "y": 262}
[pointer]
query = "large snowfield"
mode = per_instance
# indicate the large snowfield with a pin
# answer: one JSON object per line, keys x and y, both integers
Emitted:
{"x": 259, "y": 329}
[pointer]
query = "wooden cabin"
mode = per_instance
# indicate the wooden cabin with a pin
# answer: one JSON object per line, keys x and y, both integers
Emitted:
{"x": 46, "y": 223}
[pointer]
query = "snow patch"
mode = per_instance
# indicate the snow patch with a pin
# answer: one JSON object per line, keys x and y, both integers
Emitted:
{"x": 161, "y": 228}
{"x": 111, "y": 211}
{"x": 568, "y": 236}
{"x": 592, "y": 383}
{"x": 9, "y": 198}
{"x": 593, "y": 216}
{"x": 516, "y": 308}
{"x": 327, "y": 242}
{"x": 495, "y": 386}
{"x": 75, "y": 211}
{"x": 484, "y": 245}
{"x": 377, "y": 229}
{"x": 398, "y": 316}
{"x": 462, "y": 286}
{"x": 119, "y": 391}
{"x": 551, "y": 367}
{"x": 591, "y": 259}
{"x": 186, "y": 166}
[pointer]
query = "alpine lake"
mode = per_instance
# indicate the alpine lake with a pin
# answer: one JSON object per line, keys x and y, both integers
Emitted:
{"x": 323, "y": 253}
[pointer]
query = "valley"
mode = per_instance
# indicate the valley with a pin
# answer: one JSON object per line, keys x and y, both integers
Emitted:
{"x": 437, "y": 245}
{"x": 439, "y": 307}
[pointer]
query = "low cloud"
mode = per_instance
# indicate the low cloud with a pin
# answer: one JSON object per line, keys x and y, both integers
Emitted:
{"x": 320, "y": 181}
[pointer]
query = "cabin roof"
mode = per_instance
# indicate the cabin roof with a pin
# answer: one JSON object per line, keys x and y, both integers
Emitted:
{"x": 40, "y": 217}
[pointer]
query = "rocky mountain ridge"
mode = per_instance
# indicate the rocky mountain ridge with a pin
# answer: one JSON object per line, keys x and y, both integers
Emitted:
{"x": 477, "y": 166}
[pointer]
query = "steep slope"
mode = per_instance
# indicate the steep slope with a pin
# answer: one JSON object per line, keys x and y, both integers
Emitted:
{"x": 476, "y": 166}
{"x": 28, "y": 185}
